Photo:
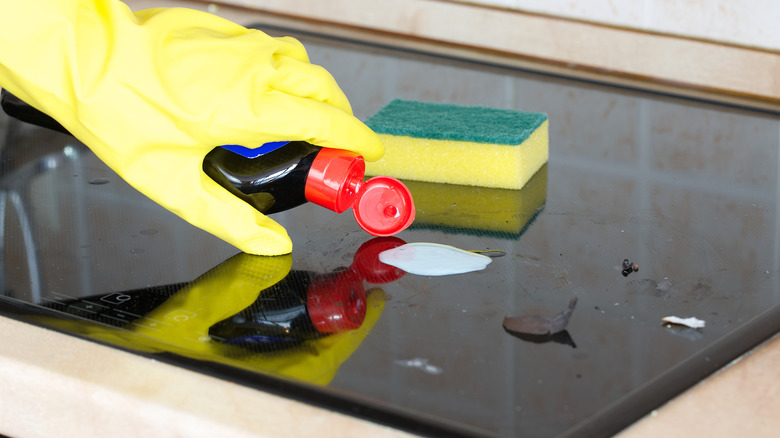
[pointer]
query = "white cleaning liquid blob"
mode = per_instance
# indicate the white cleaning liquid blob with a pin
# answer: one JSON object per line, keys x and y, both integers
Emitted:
{"x": 433, "y": 259}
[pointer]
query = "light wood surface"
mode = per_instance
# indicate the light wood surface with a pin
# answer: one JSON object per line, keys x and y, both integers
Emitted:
{"x": 58, "y": 385}
{"x": 625, "y": 57}
{"x": 578, "y": 46}
{"x": 55, "y": 385}
{"x": 742, "y": 400}
{"x": 749, "y": 24}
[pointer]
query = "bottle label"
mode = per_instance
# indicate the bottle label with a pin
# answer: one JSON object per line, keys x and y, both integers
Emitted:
{"x": 254, "y": 152}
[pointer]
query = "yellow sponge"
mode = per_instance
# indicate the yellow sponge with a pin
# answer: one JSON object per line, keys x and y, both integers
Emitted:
{"x": 455, "y": 144}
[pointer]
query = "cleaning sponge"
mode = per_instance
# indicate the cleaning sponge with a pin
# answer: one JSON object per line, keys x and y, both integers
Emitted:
{"x": 454, "y": 144}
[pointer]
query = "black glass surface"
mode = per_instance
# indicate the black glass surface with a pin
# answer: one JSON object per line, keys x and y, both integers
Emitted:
{"x": 686, "y": 190}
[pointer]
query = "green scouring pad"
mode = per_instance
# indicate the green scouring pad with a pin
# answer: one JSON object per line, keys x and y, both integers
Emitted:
{"x": 454, "y": 144}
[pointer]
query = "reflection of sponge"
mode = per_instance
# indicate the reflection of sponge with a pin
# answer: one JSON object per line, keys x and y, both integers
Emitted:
{"x": 459, "y": 145}
{"x": 478, "y": 210}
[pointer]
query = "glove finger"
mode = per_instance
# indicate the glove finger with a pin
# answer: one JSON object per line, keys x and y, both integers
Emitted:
{"x": 205, "y": 28}
{"x": 285, "y": 117}
{"x": 309, "y": 81}
{"x": 292, "y": 48}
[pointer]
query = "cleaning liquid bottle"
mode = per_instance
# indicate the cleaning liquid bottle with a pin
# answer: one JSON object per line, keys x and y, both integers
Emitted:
{"x": 282, "y": 175}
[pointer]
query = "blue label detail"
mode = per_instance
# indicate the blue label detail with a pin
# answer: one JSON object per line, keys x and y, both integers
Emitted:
{"x": 257, "y": 339}
{"x": 254, "y": 152}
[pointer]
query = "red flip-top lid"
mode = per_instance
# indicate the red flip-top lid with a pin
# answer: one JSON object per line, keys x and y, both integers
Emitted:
{"x": 334, "y": 179}
{"x": 382, "y": 206}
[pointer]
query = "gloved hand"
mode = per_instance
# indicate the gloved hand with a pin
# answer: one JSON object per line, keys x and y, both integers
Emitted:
{"x": 152, "y": 92}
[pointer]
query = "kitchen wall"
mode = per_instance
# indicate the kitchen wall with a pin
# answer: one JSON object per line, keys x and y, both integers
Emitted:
{"x": 751, "y": 24}
{"x": 693, "y": 46}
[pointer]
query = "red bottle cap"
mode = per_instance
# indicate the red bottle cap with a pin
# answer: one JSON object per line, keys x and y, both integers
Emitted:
{"x": 382, "y": 206}
{"x": 334, "y": 179}
{"x": 337, "y": 302}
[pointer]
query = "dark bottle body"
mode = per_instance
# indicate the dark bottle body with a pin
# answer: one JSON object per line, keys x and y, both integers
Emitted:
{"x": 279, "y": 315}
{"x": 273, "y": 183}
{"x": 303, "y": 306}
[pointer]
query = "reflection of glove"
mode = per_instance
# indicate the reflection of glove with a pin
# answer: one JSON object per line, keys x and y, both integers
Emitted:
{"x": 181, "y": 324}
{"x": 152, "y": 92}
{"x": 218, "y": 294}
{"x": 227, "y": 290}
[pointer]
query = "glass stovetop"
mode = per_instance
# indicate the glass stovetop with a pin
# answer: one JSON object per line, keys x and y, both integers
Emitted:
{"x": 686, "y": 190}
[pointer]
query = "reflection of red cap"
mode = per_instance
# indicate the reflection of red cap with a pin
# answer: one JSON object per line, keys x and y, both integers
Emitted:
{"x": 367, "y": 265}
{"x": 336, "y": 302}
{"x": 382, "y": 205}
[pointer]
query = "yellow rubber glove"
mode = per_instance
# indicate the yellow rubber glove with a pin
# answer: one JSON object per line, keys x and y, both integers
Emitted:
{"x": 152, "y": 92}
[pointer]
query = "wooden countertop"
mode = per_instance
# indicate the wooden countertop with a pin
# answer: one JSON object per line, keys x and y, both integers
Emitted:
{"x": 58, "y": 385}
